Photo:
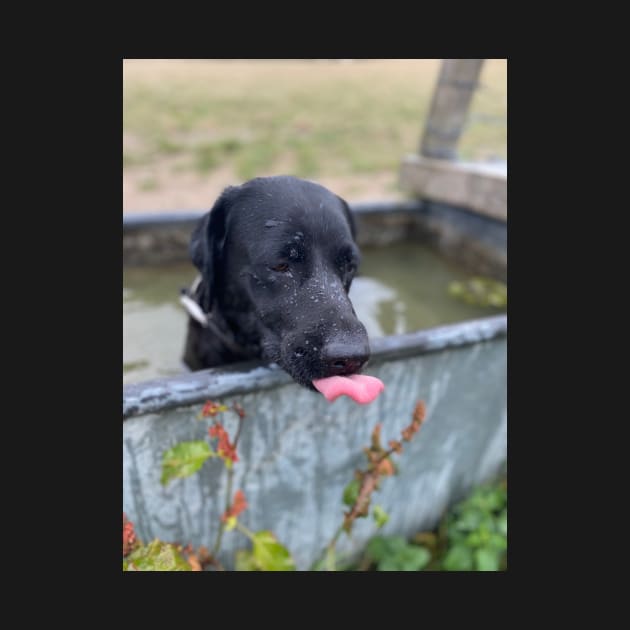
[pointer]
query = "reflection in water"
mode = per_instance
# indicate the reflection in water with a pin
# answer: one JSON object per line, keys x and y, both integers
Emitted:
{"x": 371, "y": 300}
{"x": 403, "y": 287}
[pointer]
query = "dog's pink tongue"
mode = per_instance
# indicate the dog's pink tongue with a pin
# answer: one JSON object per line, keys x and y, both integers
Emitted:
{"x": 362, "y": 389}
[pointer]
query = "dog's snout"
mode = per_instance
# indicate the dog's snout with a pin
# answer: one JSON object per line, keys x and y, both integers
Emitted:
{"x": 345, "y": 366}
{"x": 344, "y": 358}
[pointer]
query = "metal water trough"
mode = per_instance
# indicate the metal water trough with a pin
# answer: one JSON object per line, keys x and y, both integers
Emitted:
{"x": 297, "y": 452}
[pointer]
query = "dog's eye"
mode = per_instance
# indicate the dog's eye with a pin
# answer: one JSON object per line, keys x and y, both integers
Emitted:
{"x": 282, "y": 267}
{"x": 347, "y": 261}
{"x": 348, "y": 267}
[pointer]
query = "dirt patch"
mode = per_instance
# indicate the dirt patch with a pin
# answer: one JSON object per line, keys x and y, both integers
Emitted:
{"x": 162, "y": 188}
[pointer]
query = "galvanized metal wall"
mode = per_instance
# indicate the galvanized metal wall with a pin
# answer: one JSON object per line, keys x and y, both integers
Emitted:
{"x": 298, "y": 452}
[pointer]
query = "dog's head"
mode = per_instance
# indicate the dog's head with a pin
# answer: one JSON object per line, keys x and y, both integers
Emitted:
{"x": 278, "y": 256}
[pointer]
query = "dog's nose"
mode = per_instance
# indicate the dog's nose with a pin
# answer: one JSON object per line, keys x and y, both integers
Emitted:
{"x": 344, "y": 358}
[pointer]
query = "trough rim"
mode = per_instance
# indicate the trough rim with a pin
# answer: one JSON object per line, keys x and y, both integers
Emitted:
{"x": 161, "y": 394}
{"x": 150, "y": 220}
{"x": 142, "y": 220}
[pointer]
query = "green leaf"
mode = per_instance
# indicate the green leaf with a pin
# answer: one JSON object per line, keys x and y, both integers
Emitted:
{"x": 502, "y": 523}
{"x": 415, "y": 558}
{"x": 351, "y": 492}
{"x": 469, "y": 520}
{"x": 157, "y": 556}
{"x": 481, "y": 291}
{"x": 487, "y": 559}
{"x": 380, "y": 547}
{"x": 270, "y": 555}
{"x": 380, "y": 516}
{"x": 458, "y": 558}
{"x": 184, "y": 459}
{"x": 497, "y": 541}
{"x": 244, "y": 561}
{"x": 377, "y": 548}
{"x": 485, "y": 532}
{"x": 488, "y": 499}
{"x": 474, "y": 539}
{"x": 411, "y": 558}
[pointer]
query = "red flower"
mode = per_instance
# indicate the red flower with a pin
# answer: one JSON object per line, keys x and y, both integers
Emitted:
{"x": 410, "y": 431}
{"x": 385, "y": 467}
{"x": 419, "y": 413}
{"x": 212, "y": 409}
{"x": 225, "y": 448}
{"x": 238, "y": 505}
{"x": 129, "y": 536}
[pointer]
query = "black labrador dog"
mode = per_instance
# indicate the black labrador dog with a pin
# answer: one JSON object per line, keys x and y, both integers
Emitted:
{"x": 277, "y": 257}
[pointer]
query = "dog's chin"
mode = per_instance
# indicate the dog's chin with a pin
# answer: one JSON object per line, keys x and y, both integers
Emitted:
{"x": 299, "y": 372}
{"x": 303, "y": 372}
{"x": 300, "y": 376}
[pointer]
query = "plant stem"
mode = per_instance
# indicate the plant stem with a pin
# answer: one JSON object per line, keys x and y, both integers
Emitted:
{"x": 385, "y": 455}
{"x": 328, "y": 550}
{"x": 228, "y": 495}
{"x": 238, "y": 431}
{"x": 244, "y": 530}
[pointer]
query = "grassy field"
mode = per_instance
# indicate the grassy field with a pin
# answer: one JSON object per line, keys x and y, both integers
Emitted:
{"x": 192, "y": 127}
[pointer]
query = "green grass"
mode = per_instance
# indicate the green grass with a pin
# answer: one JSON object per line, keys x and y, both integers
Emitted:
{"x": 309, "y": 118}
{"x": 149, "y": 183}
{"x": 208, "y": 155}
{"x": 165, "y": 146}
{"x": 257, "y": 157}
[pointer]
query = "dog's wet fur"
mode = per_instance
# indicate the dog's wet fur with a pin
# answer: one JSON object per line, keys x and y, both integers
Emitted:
{"x": 277, "y": 256}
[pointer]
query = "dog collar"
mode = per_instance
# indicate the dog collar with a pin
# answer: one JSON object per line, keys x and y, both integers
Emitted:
{"x": 205, "y": 319}
{"x": 192, "y": 307}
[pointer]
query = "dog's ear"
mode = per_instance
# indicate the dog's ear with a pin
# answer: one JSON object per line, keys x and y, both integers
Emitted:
{"x": 349, "y": 216}
{"x": 206, "y": 245}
